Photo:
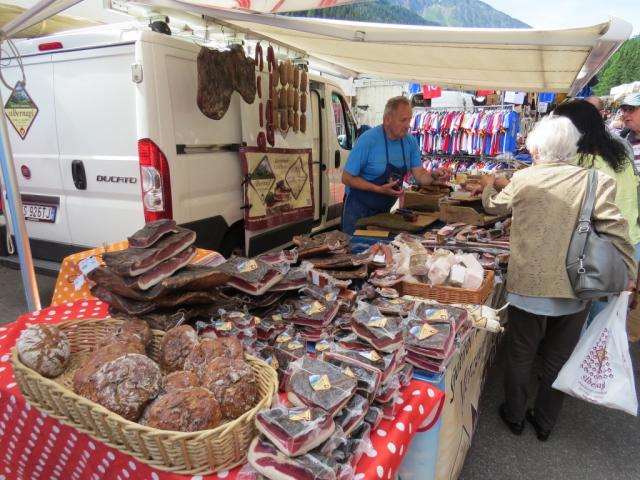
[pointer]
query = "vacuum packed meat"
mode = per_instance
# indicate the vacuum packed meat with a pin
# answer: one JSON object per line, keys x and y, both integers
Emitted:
{"x": 385, "y": 333}
{"x": 151, "y": 233}
{"x": 314, "y": 383}
{"x": 295, "y": 431}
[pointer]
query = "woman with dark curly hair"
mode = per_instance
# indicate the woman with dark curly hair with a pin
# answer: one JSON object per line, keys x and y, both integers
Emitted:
{"x": 599, "y": 149}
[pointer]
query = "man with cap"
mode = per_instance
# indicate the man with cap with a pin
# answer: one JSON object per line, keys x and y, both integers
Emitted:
{"x": 631, "y": 116}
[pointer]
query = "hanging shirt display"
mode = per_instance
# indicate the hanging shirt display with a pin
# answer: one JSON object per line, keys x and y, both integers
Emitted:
{"x": 484, "y": 132}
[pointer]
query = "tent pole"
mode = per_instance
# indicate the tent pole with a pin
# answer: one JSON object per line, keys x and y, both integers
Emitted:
{"x": 14, "y": 205}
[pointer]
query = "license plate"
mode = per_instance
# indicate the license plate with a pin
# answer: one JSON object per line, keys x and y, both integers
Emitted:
{"x": 39, "y": 213}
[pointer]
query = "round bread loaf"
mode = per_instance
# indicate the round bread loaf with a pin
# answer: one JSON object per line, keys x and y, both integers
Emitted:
{"x": 127, "y": 384}
{"x": 133, "y": 327}
{"x": 180, "y": 379}
{"x": 233, "y": 384}
{"x": 210, "y": 348}
{"x": 187, "y": 410}
{"x": 45, "y": 349}
{"x": 83, "y": 380}
{"x": 176, "y": 345}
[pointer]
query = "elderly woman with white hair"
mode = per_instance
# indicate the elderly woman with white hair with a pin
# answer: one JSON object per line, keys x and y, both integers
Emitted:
{"x": 545, "y": 201}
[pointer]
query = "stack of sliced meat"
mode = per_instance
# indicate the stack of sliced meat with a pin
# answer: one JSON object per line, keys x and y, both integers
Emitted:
{"x": 151, "y": 279}
{"x": 430, "y": 333}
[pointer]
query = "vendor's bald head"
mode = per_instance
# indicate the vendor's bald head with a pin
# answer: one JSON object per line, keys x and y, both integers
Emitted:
{"x": 596, "y": 102}
{"x": 397, "y": 116}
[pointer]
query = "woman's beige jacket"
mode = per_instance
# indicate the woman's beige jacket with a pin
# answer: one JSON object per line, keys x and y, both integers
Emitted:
{"x": 545, "y": 201}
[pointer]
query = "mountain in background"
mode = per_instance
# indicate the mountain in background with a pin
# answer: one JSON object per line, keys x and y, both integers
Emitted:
{"x": 461, "y": 13}
{"x": 449, "y": 13}
{"x": 622, "y": 67}
{"x": 377, "y": 11}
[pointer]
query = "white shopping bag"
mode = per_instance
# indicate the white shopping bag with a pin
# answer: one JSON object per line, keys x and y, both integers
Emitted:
{"x": 599, "y": 369}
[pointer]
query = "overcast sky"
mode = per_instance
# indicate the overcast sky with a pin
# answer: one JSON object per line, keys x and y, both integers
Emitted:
{"x": 565, "y": 13}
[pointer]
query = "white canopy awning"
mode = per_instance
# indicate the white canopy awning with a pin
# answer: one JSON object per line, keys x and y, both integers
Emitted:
{"x": 560, "y": 60}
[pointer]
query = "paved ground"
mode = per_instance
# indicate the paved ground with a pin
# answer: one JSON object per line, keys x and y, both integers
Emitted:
{"x": 589, "y": 443}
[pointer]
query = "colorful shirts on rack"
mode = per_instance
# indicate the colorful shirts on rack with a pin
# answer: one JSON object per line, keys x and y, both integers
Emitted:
{"x": 486, "y": 133}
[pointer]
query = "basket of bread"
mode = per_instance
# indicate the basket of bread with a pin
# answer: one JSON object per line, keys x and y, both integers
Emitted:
{"x": 174, "y": 400}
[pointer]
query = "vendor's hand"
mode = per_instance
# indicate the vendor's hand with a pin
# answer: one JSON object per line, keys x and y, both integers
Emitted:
{"x": 440, "y": 174}
{"x": 388, "y": 188}
{"x": 500, "y": 183}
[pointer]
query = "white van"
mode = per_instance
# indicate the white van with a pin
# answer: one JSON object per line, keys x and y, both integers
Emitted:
{"x": 115, "y": 98}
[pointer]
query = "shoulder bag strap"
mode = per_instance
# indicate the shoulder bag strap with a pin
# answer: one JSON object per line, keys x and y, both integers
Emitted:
{"x": 584, "y": 220}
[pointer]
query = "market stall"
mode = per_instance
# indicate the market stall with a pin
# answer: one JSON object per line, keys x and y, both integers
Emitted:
{"x": 39, "y": 446}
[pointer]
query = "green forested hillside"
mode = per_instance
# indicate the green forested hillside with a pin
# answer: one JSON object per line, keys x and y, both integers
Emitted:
{"x": 623, "y": 67}
{"x": 451, "y": 13}
{"x": 378, "y": 11}
{"x": 461, "y": 13}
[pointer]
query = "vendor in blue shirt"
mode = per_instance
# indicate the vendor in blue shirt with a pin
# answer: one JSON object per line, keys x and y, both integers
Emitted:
{"x": 379, "y": 161}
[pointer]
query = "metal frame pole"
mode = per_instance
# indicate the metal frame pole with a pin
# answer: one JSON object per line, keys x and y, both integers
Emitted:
{"x": 17, "y": 218}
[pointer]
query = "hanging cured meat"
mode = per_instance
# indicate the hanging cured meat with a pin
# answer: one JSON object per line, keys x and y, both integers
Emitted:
{"x": 243, "y": 73}
{"x": 215, "y": 84}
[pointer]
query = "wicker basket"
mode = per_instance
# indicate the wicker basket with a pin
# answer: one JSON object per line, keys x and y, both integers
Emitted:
{"x": 201, "y": 452}
{"x": 445, "y": 294}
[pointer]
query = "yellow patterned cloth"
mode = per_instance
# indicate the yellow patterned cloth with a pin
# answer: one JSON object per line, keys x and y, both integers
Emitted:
{"x": 71, "y": 285}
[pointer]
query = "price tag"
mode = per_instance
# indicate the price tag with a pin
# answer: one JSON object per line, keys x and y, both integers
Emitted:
{"x": 379, "y": 258}
{"x": 276, "y": 318}
{"x": 378, "y": 323}
{"x": 331, "y": 297}
{"x": 349, "y": 373}
{"x": 422, "y": 332}
{"x": 300, "y": 415}
{"x": 295, "y": 345}
{"x": 257, "y": 320}
{"x": 320, "y": 383}
{"x": 437, "y": 314}
{"x": 78, "y": 282}
{"x": 371, "y": 355}
{"x": 396, "y": 301}
{"x": 322, "y": 345}
{"x": 224, "y": 326}
{"x": 283, "y": 338}
{"x": 313, "y": 308}
{"x": 247, "y": 266}
{"x": 88, "y": 264}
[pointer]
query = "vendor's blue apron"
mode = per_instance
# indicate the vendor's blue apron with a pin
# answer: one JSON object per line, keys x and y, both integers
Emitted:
{"x": 363, "y": 203}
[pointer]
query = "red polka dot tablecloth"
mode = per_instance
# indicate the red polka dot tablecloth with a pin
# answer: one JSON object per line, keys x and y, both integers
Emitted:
{"x": 38, "y": 446}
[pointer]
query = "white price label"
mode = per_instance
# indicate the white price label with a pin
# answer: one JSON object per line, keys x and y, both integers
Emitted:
{"x": 78, "y": 282}
{"x": 88, "y": 264}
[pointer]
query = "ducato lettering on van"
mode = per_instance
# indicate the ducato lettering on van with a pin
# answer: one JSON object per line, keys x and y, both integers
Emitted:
{"x": 114, "y": 179}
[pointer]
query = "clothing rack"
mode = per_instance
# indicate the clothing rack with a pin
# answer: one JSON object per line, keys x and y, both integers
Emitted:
{"x": 485, "y": 131}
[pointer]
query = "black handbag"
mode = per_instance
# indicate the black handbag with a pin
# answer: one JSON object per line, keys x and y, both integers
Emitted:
{"x": 594, "y": 265}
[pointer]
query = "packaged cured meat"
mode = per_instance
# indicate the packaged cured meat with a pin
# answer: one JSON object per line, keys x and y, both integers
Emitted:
{"x": 314, "y": 383}
{"x": 267, "y": 460}
{"x": 294, "y": 279}
{"x": 431, "y": 338}
{"x": 385, "y": 333}
{"x": 288, "y": 348}
{"x": 295, "y": 431}
{"x": 387, "y": 363}
{"x": 387, "y": 390}
{"x": 384, "y": 278}
{"x": 368, "y": 377}
{"x": 312, "y": 312}
{"x": 346, "y": 274}
{"x": 393, "y": 306}
{"x": 406, "y": 374}
{"x": 349, "y": 452}
{"x": 390, "y": 409}
{"x": 342, "y": 260}
{"x": 270, "y": 327}
{"x": 253, "y": 276}
{"x": 352, "y": 414}
{"x": 289, "y": 256}
{"x": 373, "y": 416}
{"x": 458, "y": 316}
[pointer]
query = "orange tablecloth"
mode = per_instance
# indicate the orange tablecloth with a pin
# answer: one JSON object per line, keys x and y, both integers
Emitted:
{"x": 71, "y": 286}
